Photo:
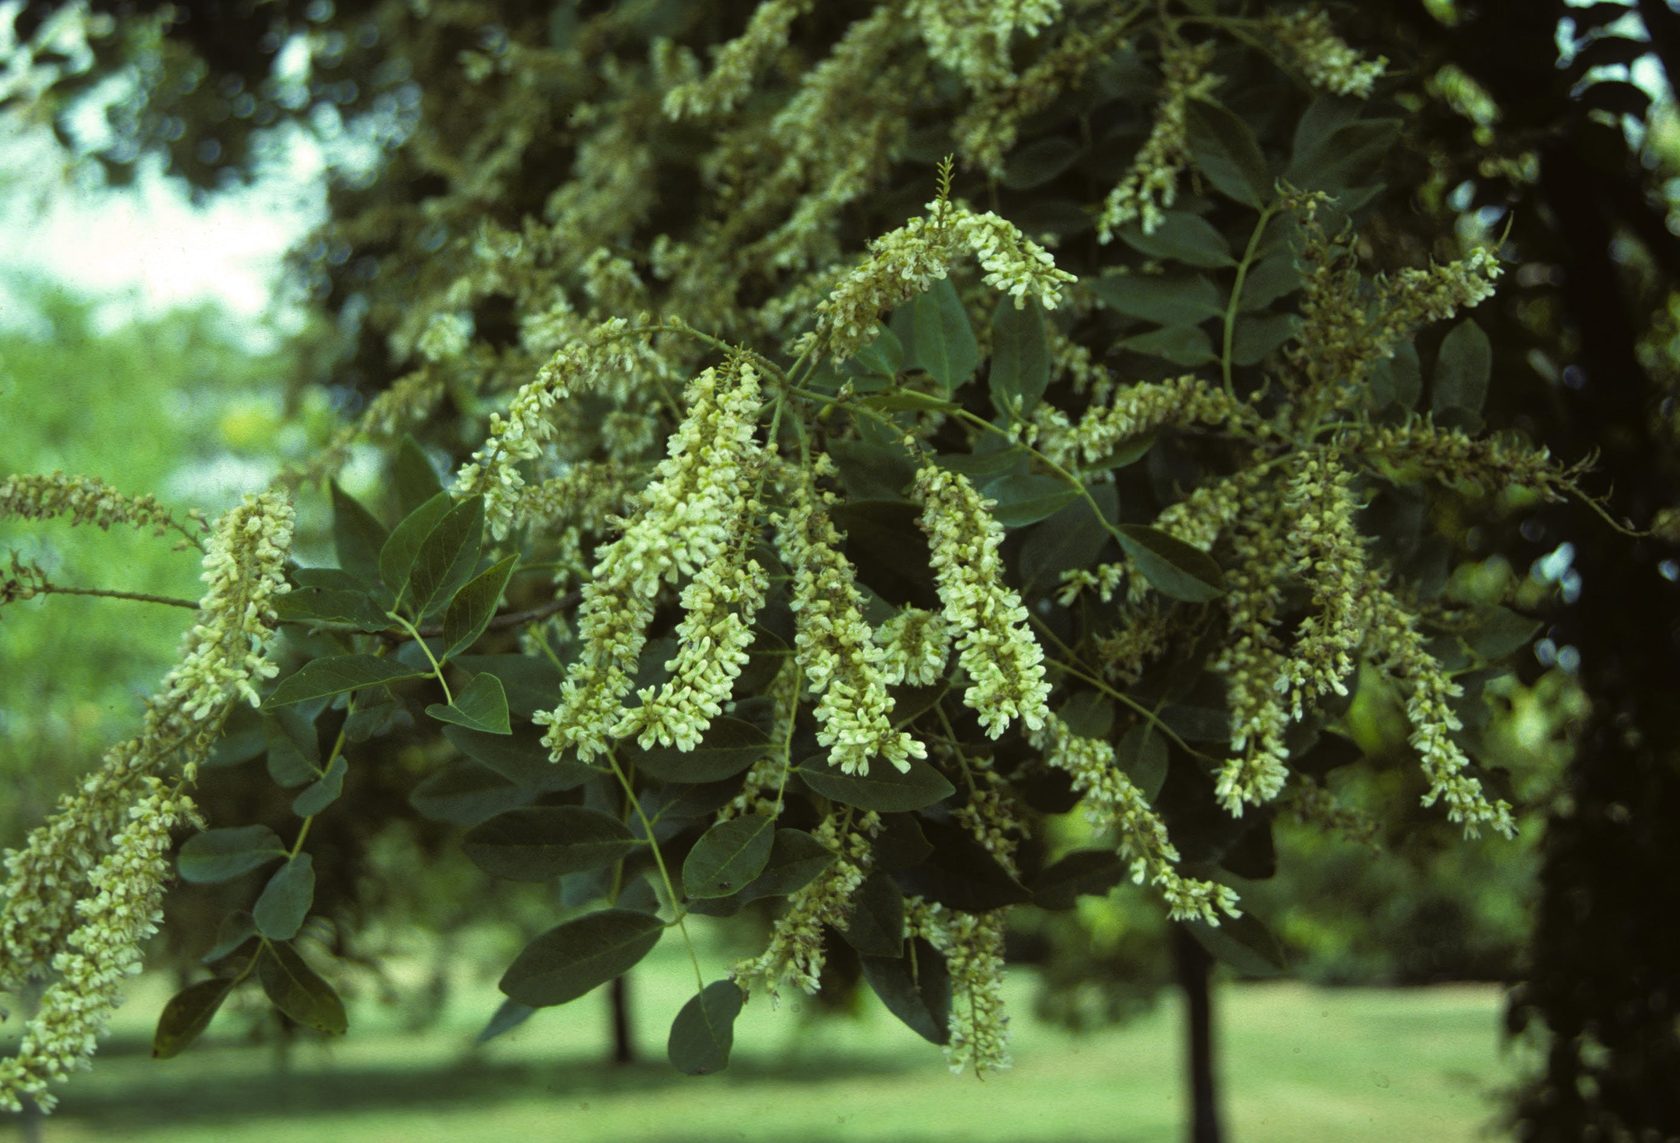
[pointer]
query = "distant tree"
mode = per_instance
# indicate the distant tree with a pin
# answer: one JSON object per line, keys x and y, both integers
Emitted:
{"x": 876, "y": 432}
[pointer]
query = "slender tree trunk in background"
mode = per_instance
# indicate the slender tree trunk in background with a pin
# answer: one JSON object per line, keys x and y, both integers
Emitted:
{"x": 624, "y": 1048}
{"x": 1193, "y": 964}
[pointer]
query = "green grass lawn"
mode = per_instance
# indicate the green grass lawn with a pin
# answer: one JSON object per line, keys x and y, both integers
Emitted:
{"x": 1298, "y": 1064}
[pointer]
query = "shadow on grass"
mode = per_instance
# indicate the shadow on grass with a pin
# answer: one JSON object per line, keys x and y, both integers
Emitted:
{"x": 182, "y": 1095}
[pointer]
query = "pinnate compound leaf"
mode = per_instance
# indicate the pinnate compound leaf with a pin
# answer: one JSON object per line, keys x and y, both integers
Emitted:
{"x": 729, "y": 856}
{"x": 1020, "y": 370}
{"x": 1172, "y": 567}
{"x": 223, "y": 854}
{"x": 445, "y": 559}
{"x": 396, "y": 558}
{"x": 704, "y": 1030}
{"x": 942, "y": 338}
{"x": 883, "y": 789}
{"x": 474, "y": 606}
{"x": 299, "y": 991}
{"x": 322, "y": 792}
{"x": 339, "y": 673}
{"x": 1225, "y": 150}
{"x": 481, "y": 705}
{"x": 540, "y": 842}
{"x": 915, "y": 987}
{"x": 186, "y": 1016}
{"x": 571, "y": 959}
{"x": 286, "y": 899}
{"x": 357, "y": 536}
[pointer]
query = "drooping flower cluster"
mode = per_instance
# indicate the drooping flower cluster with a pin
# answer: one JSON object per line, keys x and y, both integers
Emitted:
{"x": 1255, "y": 667}
{"x": 684, "y": 519}
{"x": 972, "y": 37}
{"x": 122, "y": 907}
{"x": 1311, "y": 45}
{"x": 905, "y": 262}
{"x": 837, "y": 650}
{"x": 1112, "y": 801}
{"x": 972, "y": 944}
{"x": 1004, "y": 663}
{"x": 916, "y": 644}
{"x": 1329, "y": 557}
{"x": 736, "y": 63}
{"x": 1150, "y": 186}
{"x": 85, "y": 500}
{"x": 795, "y": 950}
{"x": 1136, "y": 410}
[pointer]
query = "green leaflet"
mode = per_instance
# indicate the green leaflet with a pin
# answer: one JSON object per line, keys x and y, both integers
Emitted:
{"x": 222, "y": 854}
{"x": 299, "y": 991}
{"x": 1020, "y": 368}
{"x": 339, "y": 673}
{"x": 187, "y": 1015}
{"x": 704, "y": 1031}
{"x": 728, "y": 856}
{"x": 286, "y": 899}
{"x": 481, "y": 705}
{"x": 573, "y": 958}
{"x": 538, "y": 843}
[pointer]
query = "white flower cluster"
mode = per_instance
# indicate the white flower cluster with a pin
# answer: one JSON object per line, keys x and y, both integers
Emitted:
{"x": 990, "y": 815}
{"x": 736, "y": 63}
{"x": 683, "y": 521}
{"x": 916, "y": 643}
{"x": 1113, "y": 801}
{"x": 1324, "y": 58}
{"x": 121, "y": 909}
{"x": 972, "y": 37}
{"x": 244, "y": 568}
{"x": 1397, "y": 647}
{"x": 1329, "y": 556}
{"x": 1135, "y": 410}
{"x": 1151, "y": 184}
{"x": 836, "y": 648}
{"x": 795, "y": 949}
{"x": 1005, "y": 664}
{"x": 519, "y": 436}
{"x": 712, "y": 641}
{"x": 1253, "y": 664}
{"x": 447, "y": 336}
{"x": 972, "y": 944}
{"x": 905, "y": 262}
{"x": 86, "y": 500}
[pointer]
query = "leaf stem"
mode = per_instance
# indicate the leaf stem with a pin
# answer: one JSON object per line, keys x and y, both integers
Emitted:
{"x": 659, "y": 860}
{"x": 437, "y": 668}
{"x": 1232, "y": 306}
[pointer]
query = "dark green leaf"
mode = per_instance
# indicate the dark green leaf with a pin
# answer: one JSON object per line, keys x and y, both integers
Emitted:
{"x": 510, "y": 1015}
{"x": 396, "y": 558}
{"x": 1182, "y": 237}
{"x": 1244, "y": 943}
{"x": 704, "y": 1030}
{"x": 884, "y": 355}
{"x": 942, "y": 338}
{"x": 796, "y": 858}
{"x": 1462, "y": 369}
{"x": 532, "y": 682}
{"x": 465, "y": 793}
{"x": 1258, "y": 336}
{"x": 324, "y": 791}
{"x": 915, "y": 987}
{"x": 223, "y": 854}
{"x": 356, "y": 608}
{"x": 902, "y": 400}
{"x": 446, "y": 559}
{"x": 960, "y": 873}
{"x": 1334, "y": 152}
{"x": 1072, "y": 538}
{"x": 1171, "y": 566}
{"x": 875, "y": 926}
{"x": 1036, "y": 163}
{"x": 294, "y": 750}
{"x": 1274, "y": 276}
{"x": 1166, "y": 299}
{"x": 286, "y": 899}
{"x": 1020, "y": 370}
{"x": 1126, "y": 452}
{"x": 1398, "y": 380}
{"x": 883, "y": 789}
{"x": 521, "y": 758}
{"x": 1027, "y": 499}
{"x": 1225, "y": 151}
{"x": 541, "y": 842}
{"x": 571, "y": 959}
{"x": 1084, "y": 872}
{"x": 244, "y": 737}
{"x": 728, "y": 856}
{"x": 474, "y": 606}
{"x": 187, "y": 1014}
{"x": 872, "y": 469}
{"x": 357, "y": 536}
{"x": 1499, "y": 631}
{"x": 1180, "y": 344}
{"x": 887, "y": 546}
{"x": 728, "y": 747}
{"x": 1088, "y": 714}
{"x": 235, "y": 930}
{"x": 1142, "y": 754}
{"x": 900, "y": 843}
{"x": 298, "y": 991}
{"x": 412, "y": 473}
{"x": 337, "y": 674}
{"x": 985, "y": 467}
{"x": 481, "y": 705}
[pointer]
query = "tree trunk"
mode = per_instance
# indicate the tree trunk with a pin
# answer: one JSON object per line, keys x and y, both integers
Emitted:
{"x": 624, "y": 1047}
{"x": 1193, "y": 964}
